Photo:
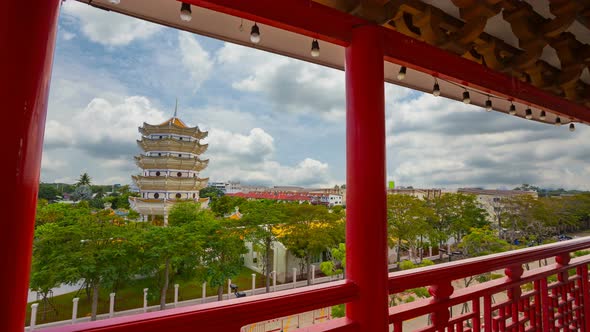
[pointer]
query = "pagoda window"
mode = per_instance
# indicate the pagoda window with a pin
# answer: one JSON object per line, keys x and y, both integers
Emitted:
{"x": 179, "y": 174}
{"x": 159, "y": 154}
{"x": 160, "y": 136}
{"x": 180, "y": 155}
{"x": 194, "y": 195}
{"x": 156, "y": 195}
{"x": 158, "y": 173}
{"x": 178, "y": 195}
{"x": 180, "y": 138}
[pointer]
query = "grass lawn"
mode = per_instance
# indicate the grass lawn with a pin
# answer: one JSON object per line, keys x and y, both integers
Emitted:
{"x": 131, "y": 297}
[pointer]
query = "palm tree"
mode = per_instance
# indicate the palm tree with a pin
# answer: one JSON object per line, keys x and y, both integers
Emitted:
{"x": 84, "y": 180}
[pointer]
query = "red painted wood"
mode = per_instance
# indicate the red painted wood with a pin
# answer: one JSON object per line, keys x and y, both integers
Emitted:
{"x": 317, "y": 21}
{"x": 335, "y": 325}
{"x": 228, "y": 315}
{"x": 586, "y": 296}
{"x": 366, "y": 214}
{"x": 27, "y": 38}
{"x": 399, "y": 281}
{"x": 303, "y": 17}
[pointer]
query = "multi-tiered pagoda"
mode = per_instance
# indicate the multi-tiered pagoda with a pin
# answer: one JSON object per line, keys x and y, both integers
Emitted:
{"x": 170, "y": 166}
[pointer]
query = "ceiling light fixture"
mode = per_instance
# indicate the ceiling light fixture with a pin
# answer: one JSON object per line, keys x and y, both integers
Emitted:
{"x": 315, "y": 48}
{"x": 402, "y": 73}
{"x": 466, "y": 98}
{"x": 512, "y": 110}
{"x": 255, "y": 34}
{"x": 436, "y": 88}
{"x": 185, "y": 12}
{"x": 488, "y": 105}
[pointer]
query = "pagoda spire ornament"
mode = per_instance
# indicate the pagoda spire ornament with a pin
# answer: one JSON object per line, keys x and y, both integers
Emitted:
{"x": 176, "y": 109}
{"x": 170, "y": 166}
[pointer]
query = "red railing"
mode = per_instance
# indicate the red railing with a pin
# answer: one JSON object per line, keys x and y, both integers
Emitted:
{"x": 547, "y": 306}
{"x": 562, "y": 305}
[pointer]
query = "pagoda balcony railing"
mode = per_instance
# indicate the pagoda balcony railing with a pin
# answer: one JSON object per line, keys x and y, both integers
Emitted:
{"x": 531, "y": 301}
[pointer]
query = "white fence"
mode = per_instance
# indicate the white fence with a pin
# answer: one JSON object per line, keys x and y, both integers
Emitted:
{"x": 284, "y": 323}
{"x": 301, "y": 320}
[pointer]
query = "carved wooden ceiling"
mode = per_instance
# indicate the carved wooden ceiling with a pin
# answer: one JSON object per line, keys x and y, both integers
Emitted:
{"x": 465, "y": 36}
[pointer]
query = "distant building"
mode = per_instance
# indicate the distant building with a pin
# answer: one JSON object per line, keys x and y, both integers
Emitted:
{"x": 492, "y": 200}
{"x": 418, "y": 193}
{"x": 300, "y": 197}
{"x": 230, "y": 187}
{"x": 170, "y": 166}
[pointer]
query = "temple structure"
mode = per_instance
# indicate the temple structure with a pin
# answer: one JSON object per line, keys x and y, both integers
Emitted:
{"x": 170, "y": 165}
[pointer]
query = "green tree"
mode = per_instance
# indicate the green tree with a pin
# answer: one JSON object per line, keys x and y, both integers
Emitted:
{"x": 528, "y": 217}
{"x": 92, "y": 248}
{"x": 407, "y": 220}
{"x": 259, "y": 219}
{"x": 454, "y": 215}
{"x": 226, "y": 204}
{"x": 482, "y": 241}
{"x": 329, "y": 268}
{"x": 211, "y": 192}
{"x": 166, "y": 252}
{"x": 82, "y": 193}
{"x": 48, "y": 191}
{"x": 309, "y": 231}
{"x": 184, "y": 213}
{"x": 223, "y": 248}
{"x": 84, "y": 180}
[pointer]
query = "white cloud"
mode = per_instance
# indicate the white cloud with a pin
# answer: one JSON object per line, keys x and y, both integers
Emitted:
{"x": 105, "y": 128}
{"x": 250, "y": 158}
{"x": 289, "y": 85}
{"x": 437, "y": 142}
{"x": 104, "y": 121}
{"x": 108, "y": 28}
{"x": 50, "y": 164}
{"x": 66, "y": 35}
{"x": 255, "y": 147}
{"x": 195, "y": 59}
{"x": 58, "y": 135}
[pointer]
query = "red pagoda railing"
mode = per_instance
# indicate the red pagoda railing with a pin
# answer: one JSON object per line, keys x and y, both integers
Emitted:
{"x": 547, "y": 306}
{"x": 561, "y": 305}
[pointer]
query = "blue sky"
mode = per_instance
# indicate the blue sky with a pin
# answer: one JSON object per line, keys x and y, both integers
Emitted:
{"x": 272, "y": 120}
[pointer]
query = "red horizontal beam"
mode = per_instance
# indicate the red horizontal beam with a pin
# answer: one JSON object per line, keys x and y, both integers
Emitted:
{"x": 303, "y": 17}
{"x": 432, "y": 60}
{"x": 309, "y": 18}
{"x": 425, "y": 276}
{"x": 334, "y": 325}
{"x": 228, "y": 315}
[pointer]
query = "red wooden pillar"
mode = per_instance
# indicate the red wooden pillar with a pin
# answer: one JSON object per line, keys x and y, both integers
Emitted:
{"x": 27, "y": 38}
{"x": 366, "y": 214}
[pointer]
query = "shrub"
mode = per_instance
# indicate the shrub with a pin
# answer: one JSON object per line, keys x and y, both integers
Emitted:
{"x": 421, "y": 292}
{"x": 338, "y": 311}
{"x": 426, "y": 262}
{"x": 406, "y": 265}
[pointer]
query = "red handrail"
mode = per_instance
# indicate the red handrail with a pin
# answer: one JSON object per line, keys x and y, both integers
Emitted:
{"x": 425, "y": 276}
{"x": 228, "y": 315}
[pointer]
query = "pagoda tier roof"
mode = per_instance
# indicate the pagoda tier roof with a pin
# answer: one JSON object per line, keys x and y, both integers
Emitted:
{"x": 171, "y": 144}
{"x": 173, "y": 126}
{"x": 169, "y": 183}
{"x": 170, "y": 162}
